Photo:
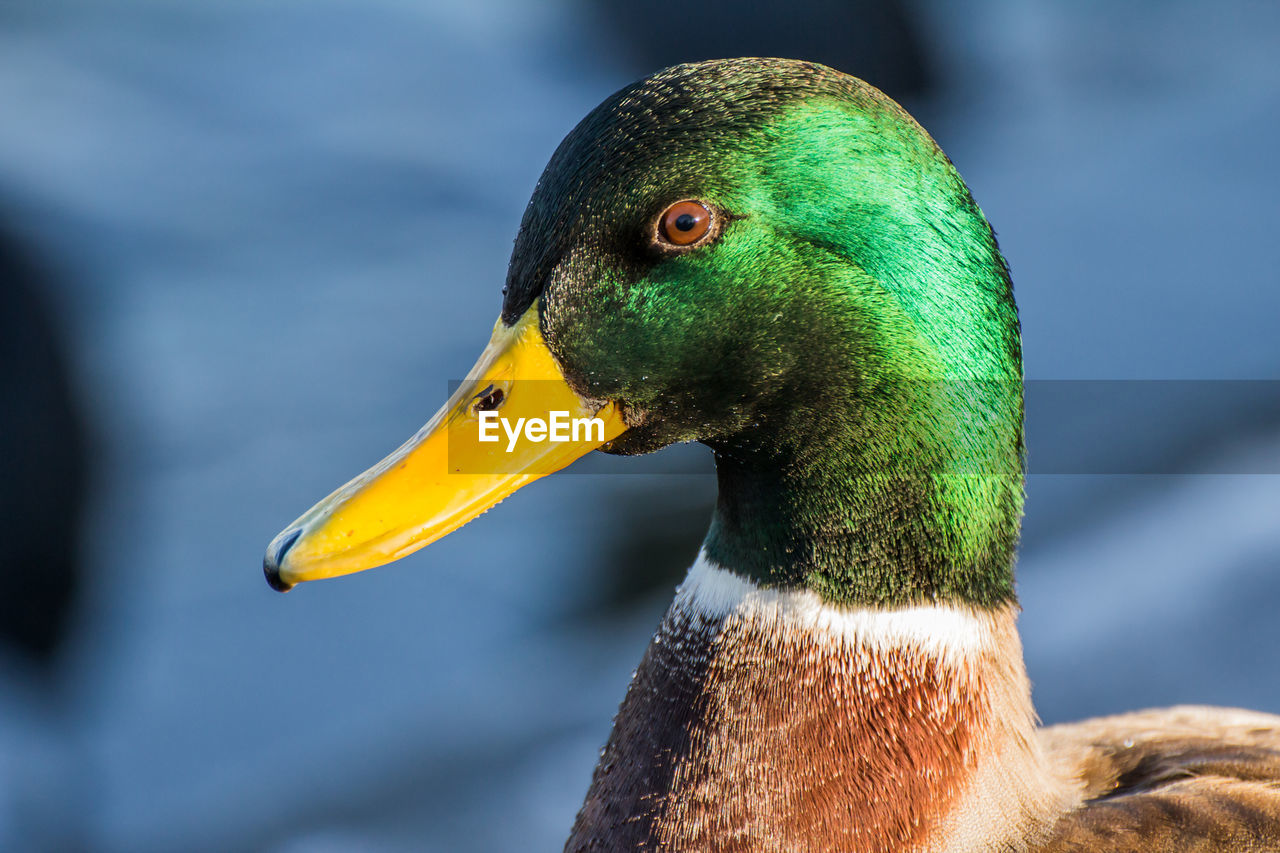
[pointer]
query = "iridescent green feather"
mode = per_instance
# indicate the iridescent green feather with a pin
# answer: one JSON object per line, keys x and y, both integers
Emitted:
{"x": 848, "y": 346}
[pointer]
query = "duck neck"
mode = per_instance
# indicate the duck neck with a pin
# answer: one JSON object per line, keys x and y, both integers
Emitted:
{"x": 892, "y": 493}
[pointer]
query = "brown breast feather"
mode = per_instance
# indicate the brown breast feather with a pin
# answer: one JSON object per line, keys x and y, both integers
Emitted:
{"x": 736, "y": 738}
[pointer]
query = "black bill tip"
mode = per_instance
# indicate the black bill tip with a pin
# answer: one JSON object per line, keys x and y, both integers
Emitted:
{"x": 272, "y": 562}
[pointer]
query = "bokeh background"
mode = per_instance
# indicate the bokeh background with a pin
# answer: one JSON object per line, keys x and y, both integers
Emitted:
{"x": 244, "y": 246}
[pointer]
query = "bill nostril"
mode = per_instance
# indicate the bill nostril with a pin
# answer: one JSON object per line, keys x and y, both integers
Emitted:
{"x": 489, "y": 399}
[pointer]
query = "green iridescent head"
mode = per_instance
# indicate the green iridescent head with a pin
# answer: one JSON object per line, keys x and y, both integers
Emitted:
{"x": 844, "y": 335}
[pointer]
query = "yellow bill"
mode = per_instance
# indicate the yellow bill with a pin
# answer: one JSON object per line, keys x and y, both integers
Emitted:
{"x": 515, "y": 419}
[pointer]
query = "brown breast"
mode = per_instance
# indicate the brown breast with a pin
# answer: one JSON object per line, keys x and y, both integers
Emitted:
{"x": 738, "y": 735}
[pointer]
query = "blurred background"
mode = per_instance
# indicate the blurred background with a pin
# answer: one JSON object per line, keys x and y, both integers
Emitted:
{"x": 244, "y": 246}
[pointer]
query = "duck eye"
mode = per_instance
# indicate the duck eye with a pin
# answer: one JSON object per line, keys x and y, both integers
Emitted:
{"x": 684, "y": 223}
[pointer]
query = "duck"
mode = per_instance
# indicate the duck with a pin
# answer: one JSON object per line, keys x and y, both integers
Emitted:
{"x": 772, "y": 258}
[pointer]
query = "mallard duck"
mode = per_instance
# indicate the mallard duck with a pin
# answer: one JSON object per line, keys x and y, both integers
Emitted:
{"x": 772, "y": 258}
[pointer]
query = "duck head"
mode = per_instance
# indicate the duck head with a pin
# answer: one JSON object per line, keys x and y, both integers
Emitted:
{"x": 772, "y": 258}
